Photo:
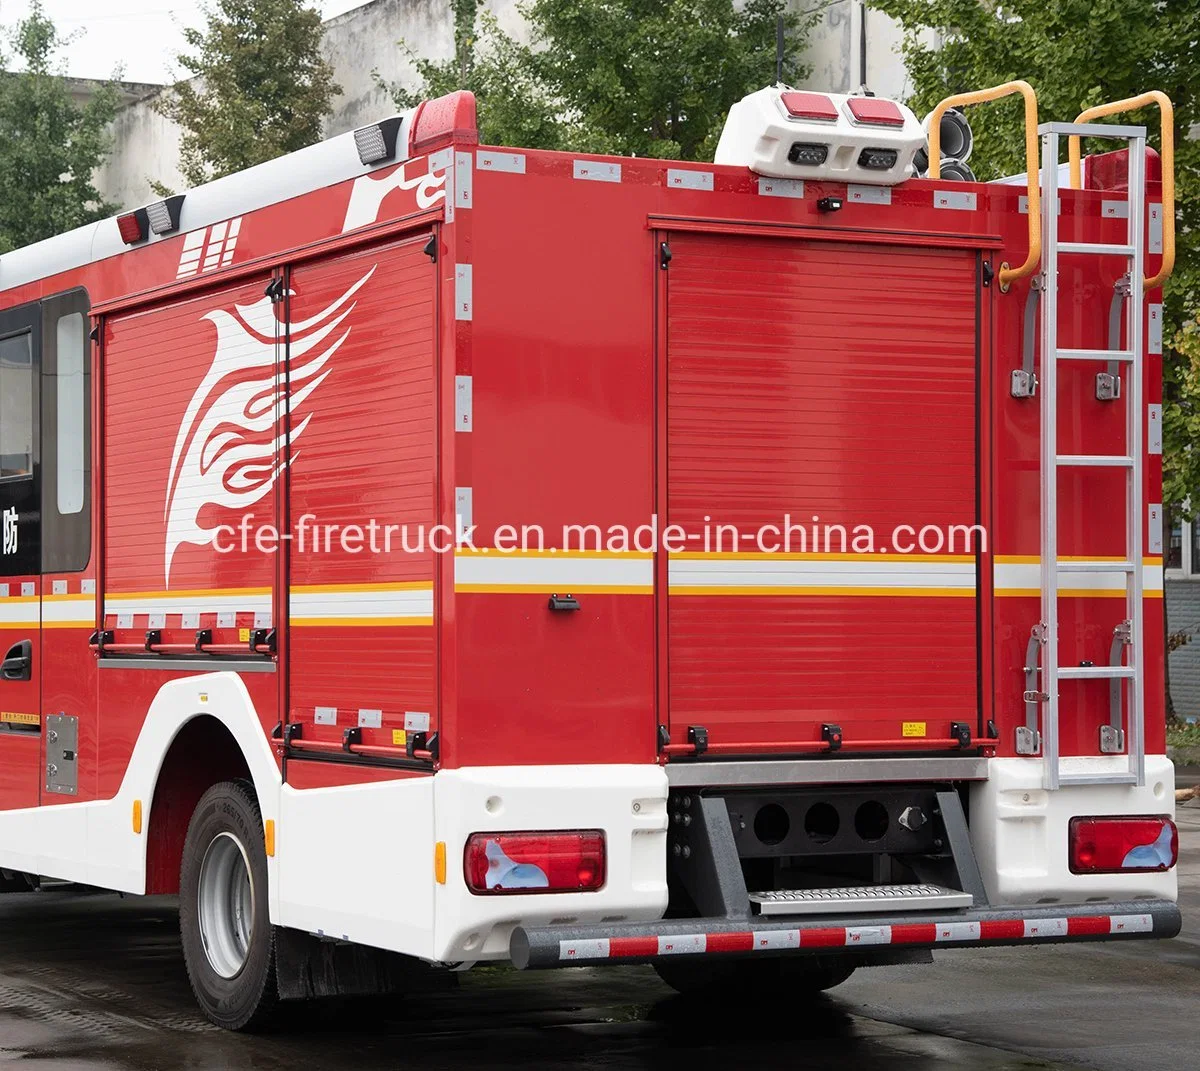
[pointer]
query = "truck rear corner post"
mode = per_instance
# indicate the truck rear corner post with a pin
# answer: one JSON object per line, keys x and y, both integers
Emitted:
{"x": 762, "y": 584}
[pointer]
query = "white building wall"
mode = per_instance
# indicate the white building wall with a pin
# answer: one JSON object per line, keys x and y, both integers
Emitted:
{"x": 377, "y": 39}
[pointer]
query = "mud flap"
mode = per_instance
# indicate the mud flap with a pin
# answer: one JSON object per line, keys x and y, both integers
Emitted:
{"x": 308, "y": 967}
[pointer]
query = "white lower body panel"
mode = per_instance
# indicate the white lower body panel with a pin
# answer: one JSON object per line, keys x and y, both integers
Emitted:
{"x": 357, "y": 862}
{"x": 1020, "y": 830}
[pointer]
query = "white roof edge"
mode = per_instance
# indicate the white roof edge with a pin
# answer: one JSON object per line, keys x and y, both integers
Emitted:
{"x": 297, "y": 173}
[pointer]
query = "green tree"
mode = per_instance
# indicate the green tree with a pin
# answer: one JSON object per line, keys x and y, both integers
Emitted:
{"x": 260, "y": 86}
{"x": 1077, "y": 53}
{"x": 51, "y": 146}
{"x": 641, "y": 77}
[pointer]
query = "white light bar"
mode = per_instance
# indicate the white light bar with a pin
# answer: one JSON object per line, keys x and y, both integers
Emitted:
{"x": 164, "y": 215}
{"x": 377, "y": 143}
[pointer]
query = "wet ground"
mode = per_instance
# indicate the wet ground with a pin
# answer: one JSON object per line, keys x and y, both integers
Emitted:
{"x": 90, "y": 981}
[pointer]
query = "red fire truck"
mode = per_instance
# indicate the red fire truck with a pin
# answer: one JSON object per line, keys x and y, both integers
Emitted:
{"x": 415, "y": 550}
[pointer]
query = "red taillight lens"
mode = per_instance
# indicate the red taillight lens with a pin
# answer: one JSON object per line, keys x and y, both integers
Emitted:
{"x": 809, "y": 106}
{"x": 133, "y": 226}
{"x": 505, "y": 863}
{"x": 874, "y": 111}
{"x": 1122, "y": 845}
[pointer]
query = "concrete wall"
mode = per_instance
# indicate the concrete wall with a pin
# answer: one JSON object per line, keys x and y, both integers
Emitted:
{"x": 367, "y": 41}
{"x": 1183, "y": 615}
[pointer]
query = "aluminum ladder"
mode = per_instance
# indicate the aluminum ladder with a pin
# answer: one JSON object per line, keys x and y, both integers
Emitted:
{"x": 1126, "y": 655}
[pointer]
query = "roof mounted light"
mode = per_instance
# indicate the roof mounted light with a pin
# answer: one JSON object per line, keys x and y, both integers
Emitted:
{"x": 875, "y": 111}
{"x": 134, "y": 226}
{"x": 800, "y": 105}
{"x": 164, "y": 215}
{"x": 377, "y": 143}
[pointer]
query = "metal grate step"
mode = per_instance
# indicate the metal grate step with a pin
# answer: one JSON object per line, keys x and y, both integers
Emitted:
{"x": 868, "y": 898}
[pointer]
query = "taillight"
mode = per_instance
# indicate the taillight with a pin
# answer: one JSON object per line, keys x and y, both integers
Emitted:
{"x": 134, "y": 226}
{"x": 499, "y": 863}
{"x": 1123, "y": 844}
{"x": 875, "y": 111}
{"x": 801, "y": 105}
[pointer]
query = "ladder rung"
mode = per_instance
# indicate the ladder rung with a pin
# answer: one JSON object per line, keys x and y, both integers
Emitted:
{"x": 1095, "y": 460}
{"x": 1095, "y": 567}
{"x": 1095, "y": 355}
{"x": 1092, "y": 673}
{"x": 1099, "y": 249}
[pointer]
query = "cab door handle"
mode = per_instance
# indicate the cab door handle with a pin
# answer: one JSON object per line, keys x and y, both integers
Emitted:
{"x": 18, "y": 663}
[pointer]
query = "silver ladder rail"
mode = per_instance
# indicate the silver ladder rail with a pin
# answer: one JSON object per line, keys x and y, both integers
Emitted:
{"x": 1114, "y": 738}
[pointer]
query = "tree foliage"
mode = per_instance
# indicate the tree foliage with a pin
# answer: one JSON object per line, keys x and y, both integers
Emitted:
{"x": 50, "y": 145}
{"x": 1077, "y": 53}
{"x": 640, "y": 77}
{"x": 260, "y": 86}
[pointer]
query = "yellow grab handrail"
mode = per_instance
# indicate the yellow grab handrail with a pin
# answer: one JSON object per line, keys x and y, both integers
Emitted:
{"x": 1008, "y": 275}
{"x": 1167, "y": 110}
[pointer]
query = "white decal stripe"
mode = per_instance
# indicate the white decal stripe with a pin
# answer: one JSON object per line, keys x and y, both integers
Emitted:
{"x": 768, "y": 939}
{"x": 205, "y": 603}
{"x": 568, "y": 572}
{"x": 69, "y": 610}
{"x": 868, "y": 935}
{"x": 769, "y": 571}
{"x": 1131, "y": 924}
{"x": 1046, "y": 927}
{"x": 1027, "y": 577}
{"x": 581, "y": 950}
{"x": 958, "y": 931}
{"x": 417, "y": 602}
{"x": 682, "y": 944}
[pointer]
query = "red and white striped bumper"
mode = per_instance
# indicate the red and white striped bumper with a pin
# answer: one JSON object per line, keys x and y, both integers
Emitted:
{"x": 542, "y": 947}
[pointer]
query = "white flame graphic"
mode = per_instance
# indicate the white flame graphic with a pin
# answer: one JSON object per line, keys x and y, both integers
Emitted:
{"x": 228, "y": 452}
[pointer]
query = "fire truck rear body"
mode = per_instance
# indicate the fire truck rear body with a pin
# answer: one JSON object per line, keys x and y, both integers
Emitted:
{"x": 479, "y": 337}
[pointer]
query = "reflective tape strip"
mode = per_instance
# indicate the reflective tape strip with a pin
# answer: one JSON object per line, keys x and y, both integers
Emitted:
{"x": 549, "y": 573}
{"x": 232, "y": 600}
{"x": 774, "y": 574}
{"x": 1022, "y": 578}
{"x": 732, "y": 941}
{"x": 383, "y": 604}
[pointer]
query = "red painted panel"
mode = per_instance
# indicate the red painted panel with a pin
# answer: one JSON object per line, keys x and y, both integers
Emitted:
{"x": 367, "y": 458}
{"x": 809, "y": 379}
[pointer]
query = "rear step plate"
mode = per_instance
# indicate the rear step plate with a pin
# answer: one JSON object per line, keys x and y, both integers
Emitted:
{"x": 859, "y": 898}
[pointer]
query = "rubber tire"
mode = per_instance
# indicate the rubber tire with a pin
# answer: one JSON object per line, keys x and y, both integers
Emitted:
{"x": 250, "y": 1000}
{"x": 743, "y": 981}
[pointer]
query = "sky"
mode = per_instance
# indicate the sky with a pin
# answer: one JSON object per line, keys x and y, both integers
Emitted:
{"x": 141, "y": 36}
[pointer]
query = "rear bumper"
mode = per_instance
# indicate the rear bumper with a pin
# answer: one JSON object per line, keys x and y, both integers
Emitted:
{"x": 566, "y": 946}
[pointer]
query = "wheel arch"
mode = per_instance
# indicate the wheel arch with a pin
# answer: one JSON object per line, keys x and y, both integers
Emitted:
{"x": 202, "y": 730}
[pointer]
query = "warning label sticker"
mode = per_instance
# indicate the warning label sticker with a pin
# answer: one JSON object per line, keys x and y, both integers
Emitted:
{"x": 913, "y": 728}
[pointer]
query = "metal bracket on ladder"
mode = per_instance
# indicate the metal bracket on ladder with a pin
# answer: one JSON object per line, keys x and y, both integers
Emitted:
{"x": 1029, "y": 740}
{"x": 1126, "y": 656}
{"x": 1024, "y": 379}
{"x": 1112, "y": 735}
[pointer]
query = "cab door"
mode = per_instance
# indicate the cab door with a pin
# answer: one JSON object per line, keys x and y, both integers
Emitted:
{"x": 20, "y": 558}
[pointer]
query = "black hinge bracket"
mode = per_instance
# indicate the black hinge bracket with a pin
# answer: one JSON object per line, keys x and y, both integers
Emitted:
{"x": 564, "y": 602}
{"x": 664, "y": 255}
{"x": 431, "y": 249}
{"x": 274, "y": 290}
{"x": 664, "y": 737}
{"x": 351, "y": 737}
{"x": 698, "y": 738}
{"x": 203, "y": 638}
{"x": 961, "y": 732}
{"x": 832, "y": 735}
{"x": 294, "y": 730}
{"x": 986, "y": 272}
{"x": 153, "y": 638}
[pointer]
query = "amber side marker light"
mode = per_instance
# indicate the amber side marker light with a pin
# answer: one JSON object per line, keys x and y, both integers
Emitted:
{"x": 498, "y": 864}
{"x": 1123, "y": 844}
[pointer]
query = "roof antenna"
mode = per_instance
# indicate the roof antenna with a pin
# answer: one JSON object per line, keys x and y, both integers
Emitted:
{"x": 779, "y": 46}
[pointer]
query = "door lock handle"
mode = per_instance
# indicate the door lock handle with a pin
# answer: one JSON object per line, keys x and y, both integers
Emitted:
{"x": 18, "y": 663}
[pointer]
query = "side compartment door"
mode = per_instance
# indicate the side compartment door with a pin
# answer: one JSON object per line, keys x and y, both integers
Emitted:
{"x": 20, "y": 559}
{"x": 362, "y": 469}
